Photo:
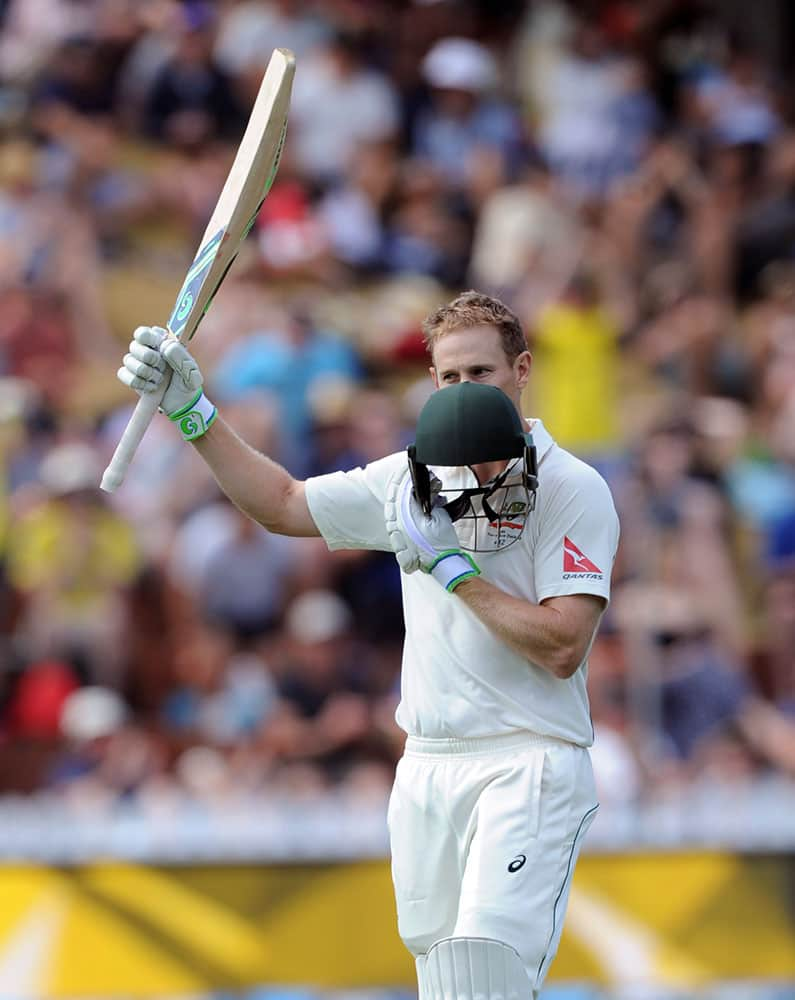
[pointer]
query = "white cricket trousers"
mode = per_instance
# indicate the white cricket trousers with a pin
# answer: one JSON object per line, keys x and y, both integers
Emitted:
{"x": 485, "y": 834}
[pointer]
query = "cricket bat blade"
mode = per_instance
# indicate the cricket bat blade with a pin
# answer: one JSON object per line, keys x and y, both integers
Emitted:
{"x": 244, "y": 191}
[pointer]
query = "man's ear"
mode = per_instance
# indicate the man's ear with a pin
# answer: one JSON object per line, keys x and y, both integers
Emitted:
{"x": 432, "y": 370}
{"x": 521, "y": 368}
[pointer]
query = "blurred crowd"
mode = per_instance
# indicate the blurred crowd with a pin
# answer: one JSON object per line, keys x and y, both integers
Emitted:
{"x": 621, "y": 174}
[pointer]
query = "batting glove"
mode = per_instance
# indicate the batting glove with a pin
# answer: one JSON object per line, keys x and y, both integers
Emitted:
{"x": 155, "y": 355}
{"x": 430, "y": 543}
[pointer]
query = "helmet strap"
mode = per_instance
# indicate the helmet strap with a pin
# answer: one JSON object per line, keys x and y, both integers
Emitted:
{"x": 420, "y": 480}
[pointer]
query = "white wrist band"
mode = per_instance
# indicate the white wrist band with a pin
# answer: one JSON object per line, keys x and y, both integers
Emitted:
{"x": 196, "y": 418}
{"x": 452, "y": 568}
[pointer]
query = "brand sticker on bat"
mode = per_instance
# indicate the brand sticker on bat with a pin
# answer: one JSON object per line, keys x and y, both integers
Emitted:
{"x": 193, "y": 282}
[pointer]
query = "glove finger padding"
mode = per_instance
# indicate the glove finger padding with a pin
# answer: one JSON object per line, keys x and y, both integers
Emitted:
{"x": 147, "y": 355}
{"x": 407, "y": 560}
{"x": 430, "y": 535}
{"x": 407, "y": 557}
{"x": 150, "y": 336}
{"x": 142, "y": 370}
{"x": 183, "y": 364}
{"x": 143, "y": 367}
{"x": 133, "y": 381}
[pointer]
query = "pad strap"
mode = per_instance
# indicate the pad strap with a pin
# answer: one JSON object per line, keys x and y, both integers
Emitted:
{"x": 196, "y": 417}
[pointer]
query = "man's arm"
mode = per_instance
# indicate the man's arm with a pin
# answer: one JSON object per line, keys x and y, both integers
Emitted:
{"x": 256, "y": 484}
{"x": 555, "y": 634}
{"x": 261, "y": 488}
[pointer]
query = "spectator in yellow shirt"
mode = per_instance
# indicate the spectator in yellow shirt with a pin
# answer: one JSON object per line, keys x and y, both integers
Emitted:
{"x": 576, "y": 381}
{"x": 70, "y": 558}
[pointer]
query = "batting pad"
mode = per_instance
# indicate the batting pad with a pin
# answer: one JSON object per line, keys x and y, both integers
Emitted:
{"x": 472, "y": 969}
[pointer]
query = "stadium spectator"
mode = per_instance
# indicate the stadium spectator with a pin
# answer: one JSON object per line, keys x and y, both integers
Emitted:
{"x": 338, "y": 102}
{"x": 192, "y": 101}
{"x": 471, "y": 139}
{"x": 577, "y": 334}
{"x": 70, "y": 558}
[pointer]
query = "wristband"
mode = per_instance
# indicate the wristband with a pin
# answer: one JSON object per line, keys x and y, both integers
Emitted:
{"x": 196, "y": 417}
{"x": 453, "y": 567}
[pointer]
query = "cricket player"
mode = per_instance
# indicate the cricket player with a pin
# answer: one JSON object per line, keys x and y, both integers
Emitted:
{"x": 506, "y": 544}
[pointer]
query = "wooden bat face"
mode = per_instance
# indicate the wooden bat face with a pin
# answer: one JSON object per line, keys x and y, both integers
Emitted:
{"x": 246, "y": 187}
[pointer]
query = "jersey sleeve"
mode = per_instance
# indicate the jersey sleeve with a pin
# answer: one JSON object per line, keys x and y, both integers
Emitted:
{"x": 348, "y": 507}
{"x": 577, "y": 536}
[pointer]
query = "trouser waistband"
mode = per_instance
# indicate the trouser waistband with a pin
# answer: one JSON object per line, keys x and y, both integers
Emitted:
{"x": 423, "y": 746}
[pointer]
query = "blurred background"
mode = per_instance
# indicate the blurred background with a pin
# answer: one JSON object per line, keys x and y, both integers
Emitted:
{"x": 196, "y": 717}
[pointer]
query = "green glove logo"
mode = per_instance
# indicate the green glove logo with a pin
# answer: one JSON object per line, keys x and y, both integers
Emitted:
{"x": 192, "y": 425}
{"x": 196, "y": 417}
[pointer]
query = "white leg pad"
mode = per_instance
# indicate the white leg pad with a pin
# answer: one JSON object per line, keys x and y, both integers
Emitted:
{"x": 472, "y": 969}
{"x": 422, "y": 978}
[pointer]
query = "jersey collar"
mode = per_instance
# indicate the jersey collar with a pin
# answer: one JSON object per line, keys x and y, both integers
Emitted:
{"x": 542, "y": 439}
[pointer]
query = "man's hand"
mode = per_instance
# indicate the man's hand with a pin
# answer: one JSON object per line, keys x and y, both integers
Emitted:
{"x": 426, "y": 543}
{"x": 155, "y": 355}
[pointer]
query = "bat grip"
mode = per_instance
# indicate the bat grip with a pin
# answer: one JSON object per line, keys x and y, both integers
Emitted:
{"x": 146, "y": 408}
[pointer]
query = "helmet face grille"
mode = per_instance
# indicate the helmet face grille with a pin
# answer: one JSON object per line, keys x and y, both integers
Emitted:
{"x": 493, "y": 517}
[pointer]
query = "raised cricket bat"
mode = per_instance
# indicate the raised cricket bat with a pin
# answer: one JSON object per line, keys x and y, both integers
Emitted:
{"x": 244, "y": 191}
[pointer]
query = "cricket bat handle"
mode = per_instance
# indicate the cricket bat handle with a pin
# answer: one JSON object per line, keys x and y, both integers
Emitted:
{"x": 133, "y": 434}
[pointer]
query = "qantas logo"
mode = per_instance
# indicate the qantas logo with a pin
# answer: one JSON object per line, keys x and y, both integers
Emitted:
{"x": 575, "y": 561}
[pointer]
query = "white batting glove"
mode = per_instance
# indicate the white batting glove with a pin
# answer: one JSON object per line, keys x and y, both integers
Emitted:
{"x": 430, "y": 543}
{"x": 155, "y": 355}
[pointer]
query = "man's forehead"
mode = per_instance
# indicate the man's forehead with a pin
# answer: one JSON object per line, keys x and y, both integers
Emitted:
{"x": 467, "y": 344}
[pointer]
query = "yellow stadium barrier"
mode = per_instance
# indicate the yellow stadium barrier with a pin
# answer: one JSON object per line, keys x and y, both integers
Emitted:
{"x": 143, "y": 931}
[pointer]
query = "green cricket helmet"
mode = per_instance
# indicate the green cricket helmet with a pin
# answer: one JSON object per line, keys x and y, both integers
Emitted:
{"x": 470, "y": 424}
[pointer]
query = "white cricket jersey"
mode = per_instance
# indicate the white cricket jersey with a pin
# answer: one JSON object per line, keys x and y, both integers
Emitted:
{"x": 458, "y": 678}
